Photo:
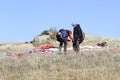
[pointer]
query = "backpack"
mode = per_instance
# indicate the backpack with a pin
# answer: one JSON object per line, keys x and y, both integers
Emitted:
{"x": 62, "y": 35}
{"x": 82, "y": 37}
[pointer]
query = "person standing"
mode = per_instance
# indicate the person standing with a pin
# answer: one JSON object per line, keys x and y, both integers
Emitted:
{"x": 77, "y": 37}
{"x": 62, "y": 37}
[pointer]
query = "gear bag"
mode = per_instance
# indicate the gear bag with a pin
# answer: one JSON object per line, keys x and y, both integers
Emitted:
{"x": 62, "y": 35}
{"x": 82, "y": 37}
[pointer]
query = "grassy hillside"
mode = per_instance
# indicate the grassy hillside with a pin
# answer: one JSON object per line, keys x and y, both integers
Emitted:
{"x": 15, "y": 47}
{"x": 90, "y": 40}
{"x": 93, "y": 40}
{"x": 101, "y": 65}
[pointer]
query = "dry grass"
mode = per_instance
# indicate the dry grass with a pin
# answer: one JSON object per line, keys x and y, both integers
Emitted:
{"x": 90, "y": 40}
{"x": 104, "y": 65}
{"x": 15, "y": 47}
{"x": 93, "y": 40}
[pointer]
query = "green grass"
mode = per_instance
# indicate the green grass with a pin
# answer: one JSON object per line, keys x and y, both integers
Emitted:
{"x": 104, "y": 65}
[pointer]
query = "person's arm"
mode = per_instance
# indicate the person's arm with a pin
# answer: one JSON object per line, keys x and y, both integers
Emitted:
{"x": 70, "y": 35}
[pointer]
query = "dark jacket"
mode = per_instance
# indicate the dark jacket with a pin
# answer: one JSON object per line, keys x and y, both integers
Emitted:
{"x": 77, "y": 32}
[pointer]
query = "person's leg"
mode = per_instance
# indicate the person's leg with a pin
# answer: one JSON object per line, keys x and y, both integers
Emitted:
{"x": 74, "y": 46}
{"x": 77, "y": 46}
{"x": 65, "y": 46}
{"x": 60, "y": 46}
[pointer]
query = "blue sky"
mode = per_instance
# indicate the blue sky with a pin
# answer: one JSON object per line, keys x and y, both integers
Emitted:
{"x": 21, "y": 20}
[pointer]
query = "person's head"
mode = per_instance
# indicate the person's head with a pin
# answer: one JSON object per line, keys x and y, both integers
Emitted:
{"x": 75, "y": 25}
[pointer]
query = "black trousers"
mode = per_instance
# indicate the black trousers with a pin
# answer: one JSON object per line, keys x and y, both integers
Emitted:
{"x": 76, "y": 47}
{"x": 61, "y": 45}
